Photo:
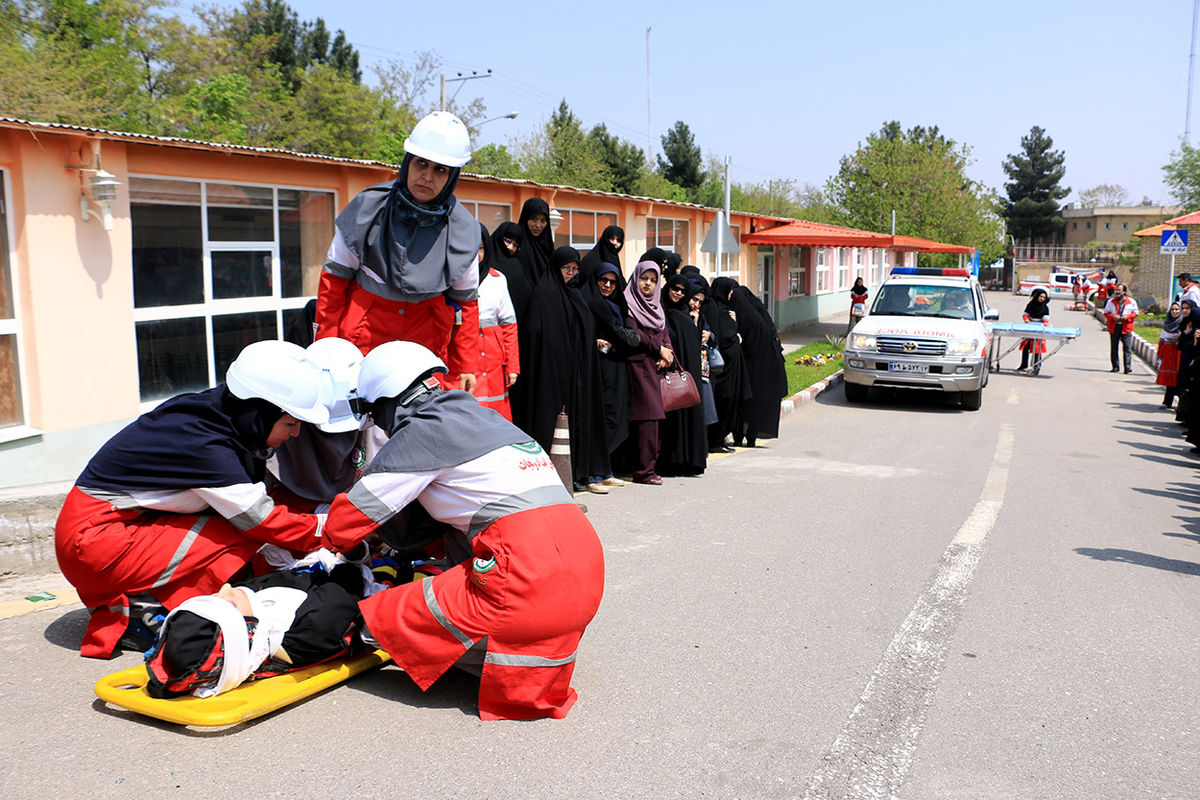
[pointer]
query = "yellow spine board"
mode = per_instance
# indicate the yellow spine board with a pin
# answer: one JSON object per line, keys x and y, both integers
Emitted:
{"x": 252, "y": 699}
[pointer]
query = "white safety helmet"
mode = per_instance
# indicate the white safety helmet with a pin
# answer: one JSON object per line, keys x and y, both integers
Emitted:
{"x": 441, "y": 138}
{"x": 276, "y": 371}
{"x": 393, "y": 367}
{"x": 337, "y": 361}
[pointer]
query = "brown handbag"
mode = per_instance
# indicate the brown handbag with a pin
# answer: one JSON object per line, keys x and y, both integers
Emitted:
{"x": 679, "y": 390}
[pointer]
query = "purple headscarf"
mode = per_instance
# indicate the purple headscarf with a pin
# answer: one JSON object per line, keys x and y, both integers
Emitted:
{"x": 646, "y": 310}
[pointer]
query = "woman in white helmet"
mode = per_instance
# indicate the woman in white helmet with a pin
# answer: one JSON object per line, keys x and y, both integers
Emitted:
{"x": 323, "y": 460}
{"x": 174, "y": 504}
{"x": 538, "y": 573}
{"x": 402, "y": 262}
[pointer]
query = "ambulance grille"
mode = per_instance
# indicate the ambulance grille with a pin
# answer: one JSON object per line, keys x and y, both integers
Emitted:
{"x": 924, "y": 347}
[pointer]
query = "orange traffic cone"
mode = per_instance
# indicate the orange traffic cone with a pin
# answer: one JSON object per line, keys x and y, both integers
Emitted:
{"x": 560, "y": 450}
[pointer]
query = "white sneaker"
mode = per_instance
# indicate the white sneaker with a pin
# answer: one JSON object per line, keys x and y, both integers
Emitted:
{"x": 597, "y": 488}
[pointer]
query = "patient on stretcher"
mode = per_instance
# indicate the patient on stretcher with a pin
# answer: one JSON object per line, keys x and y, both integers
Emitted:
{"x": 265, "y": 626}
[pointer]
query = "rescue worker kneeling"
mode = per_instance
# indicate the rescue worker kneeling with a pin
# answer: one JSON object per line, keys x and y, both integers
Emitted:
{"x": 174, "y": 504}
{"x": 538, "y": 573}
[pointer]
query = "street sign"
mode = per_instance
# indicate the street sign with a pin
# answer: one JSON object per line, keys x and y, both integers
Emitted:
{"x": 1173, "y": 243}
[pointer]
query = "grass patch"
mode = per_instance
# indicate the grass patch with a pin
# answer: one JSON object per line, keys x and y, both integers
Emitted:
{"x": 1149, "y": 333}
{"x": 801, "y": 376}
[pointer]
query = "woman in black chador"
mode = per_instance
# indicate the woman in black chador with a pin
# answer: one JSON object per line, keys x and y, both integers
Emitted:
{"x": 564, "y": 367}
{"x": 731, "y": 388}
{"x": 684, "y": 438}
{"x": 537, "y": 240}
{"x": 764, "y": 363}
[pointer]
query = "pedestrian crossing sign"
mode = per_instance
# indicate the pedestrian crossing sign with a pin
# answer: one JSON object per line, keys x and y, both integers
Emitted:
{"x": 1173, "y": 243}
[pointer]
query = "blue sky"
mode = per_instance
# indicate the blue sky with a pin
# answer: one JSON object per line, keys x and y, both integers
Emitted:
{"x": 786, "y": 89}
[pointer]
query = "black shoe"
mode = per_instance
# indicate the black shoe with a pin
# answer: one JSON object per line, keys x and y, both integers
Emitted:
{"x": 1128, "y": 372}
{"x": 1114, "y": 369}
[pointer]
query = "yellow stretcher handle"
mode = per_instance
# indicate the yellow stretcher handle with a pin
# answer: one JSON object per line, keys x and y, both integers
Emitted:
{"x": 252, "y": 699}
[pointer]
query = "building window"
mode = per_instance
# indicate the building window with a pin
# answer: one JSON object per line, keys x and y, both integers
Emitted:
{"x": 1124, "y": 226}
{"x": 490, "y": 214}
{"x": 798, "y": 271}
{"x": 669, "y": 234}
{"x": 582, "y": 229}
{"x": 1074, "y": 225}
{"x": 843, "y": 272}
{"x": 1088, "y": 225}
{"x": 822, "y": 269}
{"x": 217, "y": 266}
{"x": 1107, "y": 226}
{"x": 876, "y": 273}
{"x": 12, "y": 406}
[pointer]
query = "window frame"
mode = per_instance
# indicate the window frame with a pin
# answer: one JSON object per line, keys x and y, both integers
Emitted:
{"x": 211, "y": 307}
{"x": 475, "y": 211}
{"x": 568, "y": 215}
{"x": 798, "y": 270}
{"x": 12, "y": 326}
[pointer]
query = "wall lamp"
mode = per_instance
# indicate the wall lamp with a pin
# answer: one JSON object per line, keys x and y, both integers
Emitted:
{"x": 556, "y": 219}
{"x": 99, "y": 190}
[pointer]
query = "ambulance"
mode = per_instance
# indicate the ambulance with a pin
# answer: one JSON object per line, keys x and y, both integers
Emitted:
{"x": 927, "y": 329}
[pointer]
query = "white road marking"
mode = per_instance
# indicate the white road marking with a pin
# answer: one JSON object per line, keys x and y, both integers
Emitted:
{"x": 781, "y": 464}
{"x": 872, "y": 755}
{"x": 1013, "y": 397}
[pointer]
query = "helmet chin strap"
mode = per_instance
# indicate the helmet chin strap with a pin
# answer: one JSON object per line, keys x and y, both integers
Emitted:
{"x": 386, "y": 412}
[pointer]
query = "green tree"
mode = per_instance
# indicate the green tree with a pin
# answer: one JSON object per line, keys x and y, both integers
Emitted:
{"x": 560, "y": 153}
{"x": 626, "y": 161}
{"x": 495, "y": 160}
{"x": 1182, "y": 175}
{"x": 1031, "y": 210}
{"x": 680, "y": 161}
{"x": 921, "y": 175}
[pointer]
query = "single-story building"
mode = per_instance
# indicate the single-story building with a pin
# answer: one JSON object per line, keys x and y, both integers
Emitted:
{"x": 135, "y": 267}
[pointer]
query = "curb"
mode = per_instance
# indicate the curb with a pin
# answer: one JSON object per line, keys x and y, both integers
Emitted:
{"x": 806, "y": 396}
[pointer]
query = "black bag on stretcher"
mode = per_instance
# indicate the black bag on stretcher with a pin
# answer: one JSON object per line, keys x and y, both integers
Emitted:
{"x": 208, "y": 645}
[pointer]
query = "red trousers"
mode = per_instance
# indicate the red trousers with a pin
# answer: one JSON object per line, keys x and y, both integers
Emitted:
{"x": 532, "y": 589}
{"x": 108, "y": 554}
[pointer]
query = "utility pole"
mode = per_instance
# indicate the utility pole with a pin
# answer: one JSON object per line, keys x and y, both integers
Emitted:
{"x": 1187, "y": 121}
{"x": 649, "y": 134}
{"x": 460, "y": 77}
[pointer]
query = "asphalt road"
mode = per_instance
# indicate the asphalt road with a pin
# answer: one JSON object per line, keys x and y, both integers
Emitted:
{"x": 896, "y": 599}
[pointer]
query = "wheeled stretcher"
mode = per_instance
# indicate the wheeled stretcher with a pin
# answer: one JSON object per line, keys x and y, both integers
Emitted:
{"x": 1027, "y": 330}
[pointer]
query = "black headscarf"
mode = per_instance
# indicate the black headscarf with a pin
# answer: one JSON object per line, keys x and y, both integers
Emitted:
{"x": 671, "y": 264}
{"x": 535, "y": 251}
{"x": 603, "y": 252}
{"x": 418, "y": 248}
{"x": 691, "y": 271}
{"x": 485, "y": 263}
{"x": 655, "y": 254}
{"x": 679, "y": 282}
{"x": 1172, "y": 324}
{"x": 519, "y": 287}
{"x": 202, "y": 439}
{"x": 1038, "y": 309}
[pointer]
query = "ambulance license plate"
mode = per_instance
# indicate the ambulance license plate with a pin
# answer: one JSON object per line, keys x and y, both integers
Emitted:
{"x": 895, "y": 367}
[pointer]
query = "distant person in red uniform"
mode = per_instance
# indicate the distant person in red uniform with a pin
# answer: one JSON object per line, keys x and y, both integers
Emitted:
{"x": 174, "y": 504}
{"x": 402, "y": 264}
{"x": 523, "y": 602}
{"x": 1168, "y": 354}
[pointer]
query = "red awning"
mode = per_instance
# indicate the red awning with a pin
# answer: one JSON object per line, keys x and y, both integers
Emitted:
{"x": 1187, "y": 219}
{"x": 815, "y": 234}
{"x": 927, "y": 246}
